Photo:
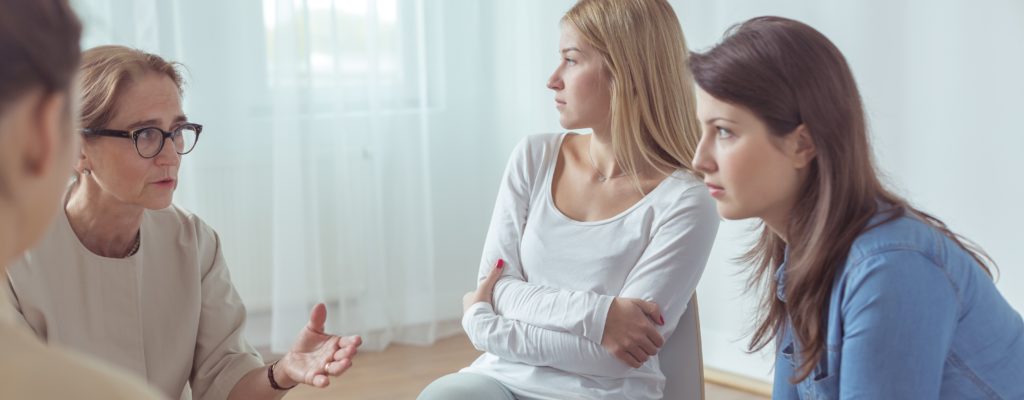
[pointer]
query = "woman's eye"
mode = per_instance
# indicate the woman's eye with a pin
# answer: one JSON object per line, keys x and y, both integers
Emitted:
{"x": 149, "y": 134}
{"x": 724, "y": 133}
{"x": 570, "y": 61}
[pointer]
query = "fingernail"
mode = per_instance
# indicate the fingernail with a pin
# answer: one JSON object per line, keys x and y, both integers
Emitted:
{"x": 501, "y": 263}
{"x": 662, "y": 319}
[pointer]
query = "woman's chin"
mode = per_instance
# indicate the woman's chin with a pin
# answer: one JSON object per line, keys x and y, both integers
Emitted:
{"x": 731, "y": 212}
{"x": 158, "y": 202}
{"x": 569, "y": 123}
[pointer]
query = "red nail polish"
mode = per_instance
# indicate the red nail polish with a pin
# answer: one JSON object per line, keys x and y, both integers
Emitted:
{"x": 501, "y": 263}
{"x": 662, "y": 320}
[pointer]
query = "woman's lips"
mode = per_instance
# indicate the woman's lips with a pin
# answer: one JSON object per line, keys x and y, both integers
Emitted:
{"x": 165, "y": 182}
{"x": 716, "y": 191}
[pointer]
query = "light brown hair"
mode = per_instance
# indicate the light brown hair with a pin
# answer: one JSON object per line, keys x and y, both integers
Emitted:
{"x": 105, "y": 72}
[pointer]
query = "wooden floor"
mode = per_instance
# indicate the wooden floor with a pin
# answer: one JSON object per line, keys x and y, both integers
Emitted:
{"x": 400, "y": 372}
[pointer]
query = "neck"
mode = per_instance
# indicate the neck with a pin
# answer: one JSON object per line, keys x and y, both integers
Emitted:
{"x": 104, "y": 225}
{"x": 779, "y": 225}
{"x": 602, "y": 155}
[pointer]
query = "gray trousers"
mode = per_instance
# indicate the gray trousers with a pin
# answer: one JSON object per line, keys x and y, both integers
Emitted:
{"x": 466, "y": 386}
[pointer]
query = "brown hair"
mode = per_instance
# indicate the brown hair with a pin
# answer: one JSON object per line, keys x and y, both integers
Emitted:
{"x": 105, "y": 72}
{"x": 38, "y": 46}
{"x": 38, "y": 49}
{"x": 788, "y": 74}
{"x": 653, "y": 107}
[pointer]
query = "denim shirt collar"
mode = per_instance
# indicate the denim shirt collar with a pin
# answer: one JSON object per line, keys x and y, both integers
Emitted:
{"x": 780, "y": 278}
{"x": 780, "y": 275}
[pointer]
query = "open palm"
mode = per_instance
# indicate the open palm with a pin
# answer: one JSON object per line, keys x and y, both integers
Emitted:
{"x": 316, "y": 356}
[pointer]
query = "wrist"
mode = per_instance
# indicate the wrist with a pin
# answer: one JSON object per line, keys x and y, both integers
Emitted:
{"x": 596, "y": 320}
{"x": 279, "y": 379}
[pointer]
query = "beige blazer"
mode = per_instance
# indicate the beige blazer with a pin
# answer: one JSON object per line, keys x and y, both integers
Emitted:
{"x": 168, "y": 314}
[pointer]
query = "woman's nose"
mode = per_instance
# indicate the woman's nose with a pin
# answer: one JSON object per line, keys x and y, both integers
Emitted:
{"x": 168, "y": 155}
{"x": 703, "y": 160}
{"x": 555, "y": 81}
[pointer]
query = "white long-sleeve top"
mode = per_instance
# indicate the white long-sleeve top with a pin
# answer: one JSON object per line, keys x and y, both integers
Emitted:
{"x": 543, "y": 336}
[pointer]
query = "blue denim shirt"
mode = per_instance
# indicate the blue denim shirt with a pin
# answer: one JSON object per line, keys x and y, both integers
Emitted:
{"x": 911, "y": 316}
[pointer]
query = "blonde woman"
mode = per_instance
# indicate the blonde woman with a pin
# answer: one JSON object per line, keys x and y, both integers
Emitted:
{"x": 599, "y": 239}
{"x": 126, "y": 276}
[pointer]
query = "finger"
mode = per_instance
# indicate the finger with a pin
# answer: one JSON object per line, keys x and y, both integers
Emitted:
{"x": 331, "y": 343}
{"x": 487, "y": 286}
{"x": 648, "y": 347}
{"x": 353, "y": 341}
{"x": 638, "y": 354}
{"x": 653, "y": 311}
{"x": 637, "y": 357}
{"x": 317, "y": 318}
{"x": 338, "y": 367}
{"x": 309, "y": 377}
{"x": 344, "y": 352}
{"x": 321, "y": 381}
{"x": 655, "y": 337}
{"x": 626, "y": 358}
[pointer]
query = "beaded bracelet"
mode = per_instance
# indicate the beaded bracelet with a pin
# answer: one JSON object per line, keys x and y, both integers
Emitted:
{"x": 273, "y": 383}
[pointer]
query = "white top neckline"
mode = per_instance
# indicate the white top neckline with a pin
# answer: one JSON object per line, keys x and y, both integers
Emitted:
{"x": 549, "y": 184}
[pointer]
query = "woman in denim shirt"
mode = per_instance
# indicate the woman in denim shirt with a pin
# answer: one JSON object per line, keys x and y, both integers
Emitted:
{"x": 865, "y": 297}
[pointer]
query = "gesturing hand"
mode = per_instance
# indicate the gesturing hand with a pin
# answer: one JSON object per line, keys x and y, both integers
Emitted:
{"x": 629, "y": 331}
{"x": 485, "y": 290}
{"x": 316, "y": 356}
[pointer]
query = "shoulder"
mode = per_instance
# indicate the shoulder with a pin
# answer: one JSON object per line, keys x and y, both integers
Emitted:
{"x": 533, "y": 149}
{"x": 681, "y": 208}
{"x": 187, "y": 232}
{"x": 685, "y": 185}
{"x": 542, "y": 141}
{"x": 531, "y": 157}
{"x": 684, "y": 194}
{"x": 905, "y": 233}
{"x": 902, "y": 256}
{"x": 179, "y": 221}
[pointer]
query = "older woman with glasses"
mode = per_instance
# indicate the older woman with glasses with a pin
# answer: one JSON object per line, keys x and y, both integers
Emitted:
{"x": 126, "y": 276}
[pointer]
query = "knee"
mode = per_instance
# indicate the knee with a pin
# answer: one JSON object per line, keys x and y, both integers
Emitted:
{"x": 455, "y": 386}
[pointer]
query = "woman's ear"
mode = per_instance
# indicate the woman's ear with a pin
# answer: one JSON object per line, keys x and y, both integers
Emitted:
{"x": 82, "y": 163}
{"x": 800, "y": 147}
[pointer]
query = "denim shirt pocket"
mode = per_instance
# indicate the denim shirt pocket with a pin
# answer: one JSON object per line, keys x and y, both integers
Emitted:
{"x": 787, "y": 353}
{"x": 821, "y": 386}
{"x": 823, "y": 382}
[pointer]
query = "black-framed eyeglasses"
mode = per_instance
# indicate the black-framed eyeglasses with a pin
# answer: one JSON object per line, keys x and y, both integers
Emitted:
{"x": 149, "y": 141}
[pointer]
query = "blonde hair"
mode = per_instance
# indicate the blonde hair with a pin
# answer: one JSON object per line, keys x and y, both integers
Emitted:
{"x": 104, "y": 73}
{"x": 653, "y": 114}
